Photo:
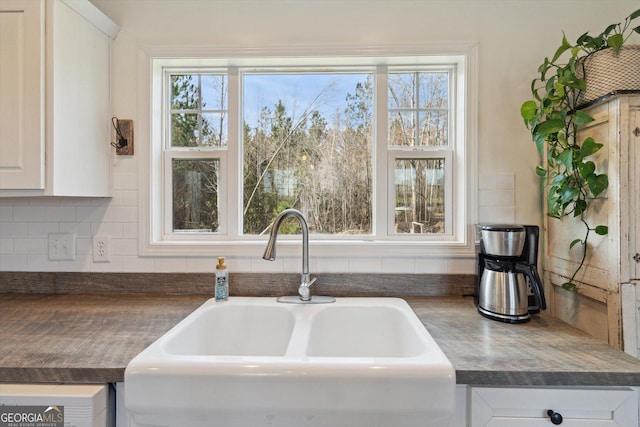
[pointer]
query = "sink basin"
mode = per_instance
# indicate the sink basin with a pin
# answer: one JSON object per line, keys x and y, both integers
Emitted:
{"x": 364, "y": 331}
{"x": 256, "y": 329}
{"x": 255, "y": 362}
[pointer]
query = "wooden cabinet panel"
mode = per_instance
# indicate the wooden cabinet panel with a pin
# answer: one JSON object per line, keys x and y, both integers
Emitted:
{"x": 596, "y": 306}
{"x": 634, "y": 178}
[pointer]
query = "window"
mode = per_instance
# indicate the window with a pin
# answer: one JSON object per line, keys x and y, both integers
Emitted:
{"x": 373, "y": 150}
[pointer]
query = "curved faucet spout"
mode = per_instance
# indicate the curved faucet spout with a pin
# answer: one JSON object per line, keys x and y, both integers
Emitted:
{"x": 270, "y": 251}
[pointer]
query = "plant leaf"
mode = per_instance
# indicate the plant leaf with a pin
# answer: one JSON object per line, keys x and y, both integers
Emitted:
{"x": 634, "y": 15}
{"x": 586, "y": 169}
{"x": 615, "y": 42}
{"x": 589, "y": 146}
{"x": 549, "y": 126}
{"x": 581, "y": 118}
{"x": 574, "y": 242}
{"x": 602, "y": 230}
{"x": 582, "y": 38}
{"x": 566, "y": 158}
{"x": 597, "y": 184}
{"x": 578, "y": 207}
{"x": 528, "y": 110}
{"x": 569, "y": 286}
{"x": 610, "y": 28}
{"x": 562, "y": 49}
{"x": 540, "y": 171}
{"x": 568, "y": 195}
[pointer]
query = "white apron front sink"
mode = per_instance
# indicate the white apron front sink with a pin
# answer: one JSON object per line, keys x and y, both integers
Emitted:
{"x": 255, "y": 362}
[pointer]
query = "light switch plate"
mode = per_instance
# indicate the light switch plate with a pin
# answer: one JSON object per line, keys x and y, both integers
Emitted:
{"x": 62, "y": 246}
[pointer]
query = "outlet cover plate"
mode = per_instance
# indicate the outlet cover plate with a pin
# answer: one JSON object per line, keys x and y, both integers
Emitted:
{"x": 101, "y": 248}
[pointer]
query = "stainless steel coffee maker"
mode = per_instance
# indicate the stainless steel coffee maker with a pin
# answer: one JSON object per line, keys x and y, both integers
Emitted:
{"x": 509, "y": 288}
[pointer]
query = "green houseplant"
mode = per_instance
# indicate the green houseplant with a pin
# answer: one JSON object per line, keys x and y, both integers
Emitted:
{"x": 569, "y": 174}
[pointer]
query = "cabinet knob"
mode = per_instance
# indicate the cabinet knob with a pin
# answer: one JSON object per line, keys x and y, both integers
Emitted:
{"x": 554, "y": 417}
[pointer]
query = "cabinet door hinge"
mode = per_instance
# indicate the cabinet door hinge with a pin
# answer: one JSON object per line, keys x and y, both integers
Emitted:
{"x": 636, "y": 131}
{"x": 636, "y": 257}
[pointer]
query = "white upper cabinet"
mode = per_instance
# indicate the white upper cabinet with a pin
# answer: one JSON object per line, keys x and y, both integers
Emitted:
{"x": 54, "y": 98}
{"x": 21, "y": 94}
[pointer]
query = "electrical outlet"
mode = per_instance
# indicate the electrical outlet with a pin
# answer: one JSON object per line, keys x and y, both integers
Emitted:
{"x": 101, "y": 248}
{"x": 62, "y": 246}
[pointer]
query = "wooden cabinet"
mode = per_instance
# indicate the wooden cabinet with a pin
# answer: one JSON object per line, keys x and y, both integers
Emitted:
{"x": 514, "y": 407}
{"x": 596, "y": 306}
{"x": 54, "y": 98}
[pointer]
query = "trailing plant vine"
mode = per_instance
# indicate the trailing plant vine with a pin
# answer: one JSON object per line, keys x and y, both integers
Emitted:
{"x": 569, "y": 177}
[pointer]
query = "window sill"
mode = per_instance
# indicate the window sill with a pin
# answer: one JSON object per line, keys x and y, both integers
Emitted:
{"x": 290, "y": 246}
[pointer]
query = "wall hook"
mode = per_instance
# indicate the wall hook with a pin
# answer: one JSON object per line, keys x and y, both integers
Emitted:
{"x": 124, "y": 136}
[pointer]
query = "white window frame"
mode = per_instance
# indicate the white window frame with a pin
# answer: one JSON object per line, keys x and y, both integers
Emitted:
{"x": 158, "y": 240}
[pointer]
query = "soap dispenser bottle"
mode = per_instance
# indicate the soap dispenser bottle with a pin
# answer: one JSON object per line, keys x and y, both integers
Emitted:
{"x": 222, "y": 281}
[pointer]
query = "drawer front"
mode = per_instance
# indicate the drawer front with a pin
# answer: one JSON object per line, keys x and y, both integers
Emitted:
{"x": 528, "y": 407}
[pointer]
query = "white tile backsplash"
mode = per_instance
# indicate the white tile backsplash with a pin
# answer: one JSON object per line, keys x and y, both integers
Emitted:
{"x": 36, "y": 246}
{"x": 6, "y": 246}
{"x": 497, "y": 198}
{"x": 13, "y": 262}
{"x": 365, "y": 265}
{"x": 13, "y": 229}
{"x": 6, "y": 213}
{"x": 136, "y": 264}
{"x": 432, "y": 266}
{"x": 42, "y": 229}
{"x": 25, "y": 224}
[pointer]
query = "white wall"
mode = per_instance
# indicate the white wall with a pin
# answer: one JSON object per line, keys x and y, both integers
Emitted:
{"x": 513, "y": 37}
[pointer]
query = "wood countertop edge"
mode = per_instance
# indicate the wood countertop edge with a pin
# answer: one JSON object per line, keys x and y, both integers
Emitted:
{"x": 548, "y": 378}
{"x": 463, "y": 377}
{"x": 433, "y": 313}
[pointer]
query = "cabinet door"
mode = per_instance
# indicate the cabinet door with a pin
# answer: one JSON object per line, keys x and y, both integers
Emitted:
{"x": 527, "y": 407}
{"x": 634, "y": 191}
{"x": 21, "y": 94}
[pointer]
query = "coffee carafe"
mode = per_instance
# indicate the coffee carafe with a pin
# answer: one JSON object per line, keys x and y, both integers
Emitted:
{"x": 507, "y": 259}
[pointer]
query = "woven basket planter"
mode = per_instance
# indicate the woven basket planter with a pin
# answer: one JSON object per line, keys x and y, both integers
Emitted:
{"x": 606, "y": 72}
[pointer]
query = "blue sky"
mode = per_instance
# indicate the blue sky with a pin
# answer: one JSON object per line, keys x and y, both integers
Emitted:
{"x": 326, "y": 92}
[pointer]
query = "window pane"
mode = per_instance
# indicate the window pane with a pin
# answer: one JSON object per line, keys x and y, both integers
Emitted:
{"x": 433, "y": 128}
{"x": 308, "y": 144}
{"x": 418, "y": 108}
{"x": 419, "y": 192}
{"x": 198, "y": 110}
{"x": 195, "y": 195}
{"x": 402, "y": 129}
{"x": 214, "y": 130}
{"x": 214, "y": 92}
{"x": 185, "y": 92}
{"x": 184, "y": 130}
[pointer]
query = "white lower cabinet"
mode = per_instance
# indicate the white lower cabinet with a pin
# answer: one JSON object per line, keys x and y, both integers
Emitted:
{"x": 478, "y": 406}
{"x": 545, "y": 407}
{"x": 75, "y": 405}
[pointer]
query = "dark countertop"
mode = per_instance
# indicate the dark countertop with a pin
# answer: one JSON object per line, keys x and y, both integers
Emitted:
{"x": 91, "y": 338}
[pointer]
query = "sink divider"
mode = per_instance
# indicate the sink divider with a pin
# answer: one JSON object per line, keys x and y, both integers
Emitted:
{"x": 299, "y": 339}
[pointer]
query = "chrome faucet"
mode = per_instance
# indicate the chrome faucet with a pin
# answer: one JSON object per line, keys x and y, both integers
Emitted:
{"x": 305, "y": 278}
